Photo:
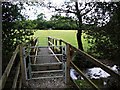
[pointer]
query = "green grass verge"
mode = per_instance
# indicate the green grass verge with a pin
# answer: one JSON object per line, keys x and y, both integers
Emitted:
{"x": 66, "y": 35}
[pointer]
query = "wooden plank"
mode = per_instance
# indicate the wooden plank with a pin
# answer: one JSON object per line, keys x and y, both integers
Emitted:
{"x": 47, "y": 77}
{"x": 29, "y": 68}
{"x": 16, "y": 76}
{"x": 45, "y": 55}
{"x": 54, "y": 55}
{"x": 96, "y": 62}
{"x": 68, "y": 64}
{"x": 48, "y": 41}
{"x": 99, "y": 64}
{"x": 55, "y": 42}
{"x": 53, "y": 38}
{"x": 22, "y": 65}
{"x": 48, "y": 71}
{"x": 36, "y": 53}
{"x": 60, "y": 43}
{"x": 51, "y": 43}
{"x": 82, "y": 74}
{"x": 20, "y": 83}
{"x": 8, "y": 69}
{"x": 24, "y": 60}
{"x": 47, "y": 64}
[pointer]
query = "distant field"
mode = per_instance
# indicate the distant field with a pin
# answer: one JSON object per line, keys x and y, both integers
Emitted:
{"x": 67, "y": 35}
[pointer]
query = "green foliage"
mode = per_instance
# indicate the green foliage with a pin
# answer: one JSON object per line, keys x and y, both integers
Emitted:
{"x": 41, "y": 23}
{"x": 81, "y": 61}
{"x": 14, "y": 29}
{"x": 63, "y": 23}
{"x": 106, "y": 39}
{"x": 83, "y": 85}
{"x": 56, "y": 22}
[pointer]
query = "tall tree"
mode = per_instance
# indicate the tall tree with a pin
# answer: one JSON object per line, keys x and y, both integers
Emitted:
{"x": 79, "y": 10}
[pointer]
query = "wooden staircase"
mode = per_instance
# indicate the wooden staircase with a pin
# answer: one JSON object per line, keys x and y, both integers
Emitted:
{"x": 47, "y": 71}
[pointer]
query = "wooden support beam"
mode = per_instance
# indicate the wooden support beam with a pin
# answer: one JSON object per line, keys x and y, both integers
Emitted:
{"x": 24, "y": 60}
{"x": 82, "y": 74}
{"x": 48, "y": 41}
{"x": 55, "y": 42}
{"x": 68, "y": 64}
{"x": 54, "y": 54}
{"x": 8, "y": 69}
{"x": 16, "y": 76}
{"x": 60, "y": 43}
{"x": 99, "y": 64}
{"x": 20, "y": 83}
{"x": 22, "y": 66}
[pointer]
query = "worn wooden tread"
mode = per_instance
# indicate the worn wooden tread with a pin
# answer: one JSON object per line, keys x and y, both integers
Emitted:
{"x": 48, "y": 77}
{"x": 45, "y": 55}
{"x": 48, "y": 71}
{"x": 47, "y": 64}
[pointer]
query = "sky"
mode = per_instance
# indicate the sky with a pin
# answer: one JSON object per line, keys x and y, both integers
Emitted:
{"x": 33, "y": 11}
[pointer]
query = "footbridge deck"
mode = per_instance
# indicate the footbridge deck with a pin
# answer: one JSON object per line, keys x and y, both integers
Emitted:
{"x": 48, "y": 66}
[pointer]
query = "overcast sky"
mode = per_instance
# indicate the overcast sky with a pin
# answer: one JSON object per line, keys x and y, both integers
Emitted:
{"x": 33, "y": 11}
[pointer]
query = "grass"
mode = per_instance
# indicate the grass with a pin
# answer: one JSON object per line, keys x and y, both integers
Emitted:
{"x": 66, "y": 35}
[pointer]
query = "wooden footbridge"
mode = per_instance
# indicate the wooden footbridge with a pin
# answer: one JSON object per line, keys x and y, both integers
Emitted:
{"x": 31, "y": 62}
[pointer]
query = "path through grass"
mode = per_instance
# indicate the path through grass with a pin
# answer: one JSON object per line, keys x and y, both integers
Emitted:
{"x": 67, "y": 35}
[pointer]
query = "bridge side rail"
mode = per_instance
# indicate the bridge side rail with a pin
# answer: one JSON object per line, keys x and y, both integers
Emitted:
{"x": 19, "y": 74}
{"x": 69, "y": 62}
{"x": 8, "y": 70}
{"x": 55, "y": 44}
{"x": 31, "y": 49}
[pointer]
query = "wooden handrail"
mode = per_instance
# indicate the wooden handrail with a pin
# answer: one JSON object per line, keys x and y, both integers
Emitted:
{"x": 98, "y": 63}
{"x": 92, "y": 59}
{"x": 8, "y": 68}
{"x": 82, "y": 74}
{"x": 16, "y": 76}
{"x": 95, "y": 61}
{"x": 19, "y": 68}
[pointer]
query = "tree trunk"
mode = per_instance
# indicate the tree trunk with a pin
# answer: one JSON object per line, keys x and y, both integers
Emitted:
{"x": 79, "y": 39}
{"x": 79, "y": 33}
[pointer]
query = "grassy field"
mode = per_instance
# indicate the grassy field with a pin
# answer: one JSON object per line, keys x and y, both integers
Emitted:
{"x": 67, "y": 35}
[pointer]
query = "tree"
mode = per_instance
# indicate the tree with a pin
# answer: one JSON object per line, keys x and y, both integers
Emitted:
{"x": 105, "y": 40}
{"x": 59, "y": 22}
{"x": 79, "y": 10}
{"x": 40, "y": 21}
{"x": 13, "y": 33}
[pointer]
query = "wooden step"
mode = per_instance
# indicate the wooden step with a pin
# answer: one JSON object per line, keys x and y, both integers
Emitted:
{"x": 47, "y": 64}
{"x": 47, "y": 77}
{"x": 48, "y": 71}
{"x": 46, "y": 55}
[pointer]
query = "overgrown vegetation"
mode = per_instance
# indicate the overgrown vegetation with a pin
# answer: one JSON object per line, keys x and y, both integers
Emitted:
{"x": 105, "y": 41}
{"x": 13, "y": 33}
